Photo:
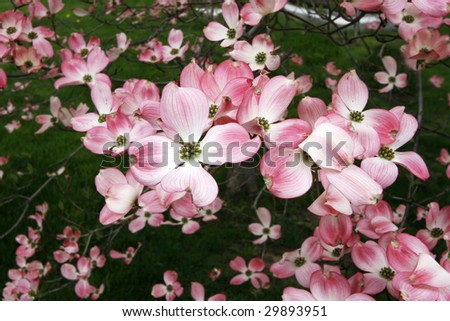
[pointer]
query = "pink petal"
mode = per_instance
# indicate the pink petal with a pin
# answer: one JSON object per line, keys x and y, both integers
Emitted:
{"x": 353, "y": 91}
{"x": 120, "y": 198}
{"x": 69, "y": 271}
{"x": 256, "y": 229}
{"x": 329, "y": 286}
{"x": 159, "y": 290}
{"x": 264, "y": 216}
{"x": 197, "y": 291}
{"x": 175, "y": 38}
{"x": 202, "y": 185}
{"x": 413, "y": 163}
{"x": 357, "y": 186}
{"x": 283, "y": 172}
{"x": 107, "y": 178}
{"x": 239, "y": 279}
{"x": 429, "y": 272}
{"x": 310, "y": 109}
{"x": 238, "y": 264}
{"x": 293, "y": 294}
{"x": 83, "y": 289}
{"x": 215, "y": 31}
{"x": 229, "y": 143}
{"x": 276, "y": 97}
{"x": 184, "y": 110}
{"x": 256, "y": 265}
{"x": 384, "y": 172}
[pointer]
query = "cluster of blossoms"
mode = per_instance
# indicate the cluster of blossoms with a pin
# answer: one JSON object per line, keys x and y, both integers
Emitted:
{"x": 173, "y": 140}
{"x": 25, "y": 279}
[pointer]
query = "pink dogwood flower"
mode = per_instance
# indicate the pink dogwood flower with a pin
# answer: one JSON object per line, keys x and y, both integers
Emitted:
{"x": 258, "y": 55}
{"x": 251, "y": 272}
{"x": 300, "y": 263}
{"x": 149, "y": 212}
{"x": 77, "y": 71}
{"x": 217, "y": 32}
{"x": 351, "y": 6}
{"x": 332, "y": 69}
{"x": 81, "y": 274}
{"x": 171, "y": 289}
{"x": 264, "y": 230}
{"x": 436, "y": 81}
{"x": 184, "y": 114}
{"x": 27, "y": 59}
{"x": 59, "y": 114}
{"x": 78, "y": 45}
{"x": 390, "y": 78}
{"x": 127, "y": 256}
{"x": 383, "y": 168}
{"x": 437, "y": 225}
{"x": 174, "y": 49}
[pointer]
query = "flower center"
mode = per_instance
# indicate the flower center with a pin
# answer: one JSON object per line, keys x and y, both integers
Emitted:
{"x": 392, "y": 79}
{"x": 264, "y": 123}
{"x": 336, "y": 252}
{"x": 266, "y": 230}
{"x": 300, "y": 261}
{"x": 32, "y": 35}
{"x": 120, "y": 140}
{"x": 11, "y": 30}
{"x": 436, "y": 232}
{"x": 147, "y": 215}
{"x": 174, "y": 51}
{"x": 408, "y": 19}
{"x": 87, "y": 78}
{"x": 213, "y": 111}
{"x": 190, "y": 150}
{"x": 387, "y": 273}
{"x": 169, "y": 288}
{"x": 231, "y": 33}
{"x": 84, "y": 52}
{"x": 28, "y": 64}
{"x": 248, "y": 273}
{"x": 386, "y": 153}
{"x": 208, "y": 212}
{"x": 356, "y": 116}
{"x": 260, "y": 58}
{"x": 153, "y": 58}
{"x": 102, "y": 118}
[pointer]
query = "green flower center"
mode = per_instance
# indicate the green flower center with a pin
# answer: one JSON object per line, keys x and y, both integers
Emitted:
{"x": 184, "y": 220}
{"x": 337, "y": 252}
{"x": 408, "y": 19}
{"x": 32, "y": 35}
{"x": 153, "y": 58}
{"x": 231, "y": 33}
{"x": 260, "y": 58}
{"x": 28, "y": 64}
{"x": 300, "y": 261}
{"x": 120, "y": 141}
{"x": 190, "y": 150}
{"x": 102, "y": 118}
{"x": 248, "y": 273}
{"x": 11, "y": 30}
{"x": 392, "y": 79}
{"x": 147, "y": 215}
{"x": 174, "y": 51}
{"x": 266, "y": 230}
{"x": 208, "y": 212}
{"x": 436, "y": 232}
{"x": 386, "y": 153}
{"x": 87, "y": 78}
{"x": 356, "y": 116}
{"x": 264, "y": 123}
{"x": 387, "y": 273}
{"x": 84, "y": 52}
{"x": 213, "y": 111}
{"x": 169, "y": 288}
